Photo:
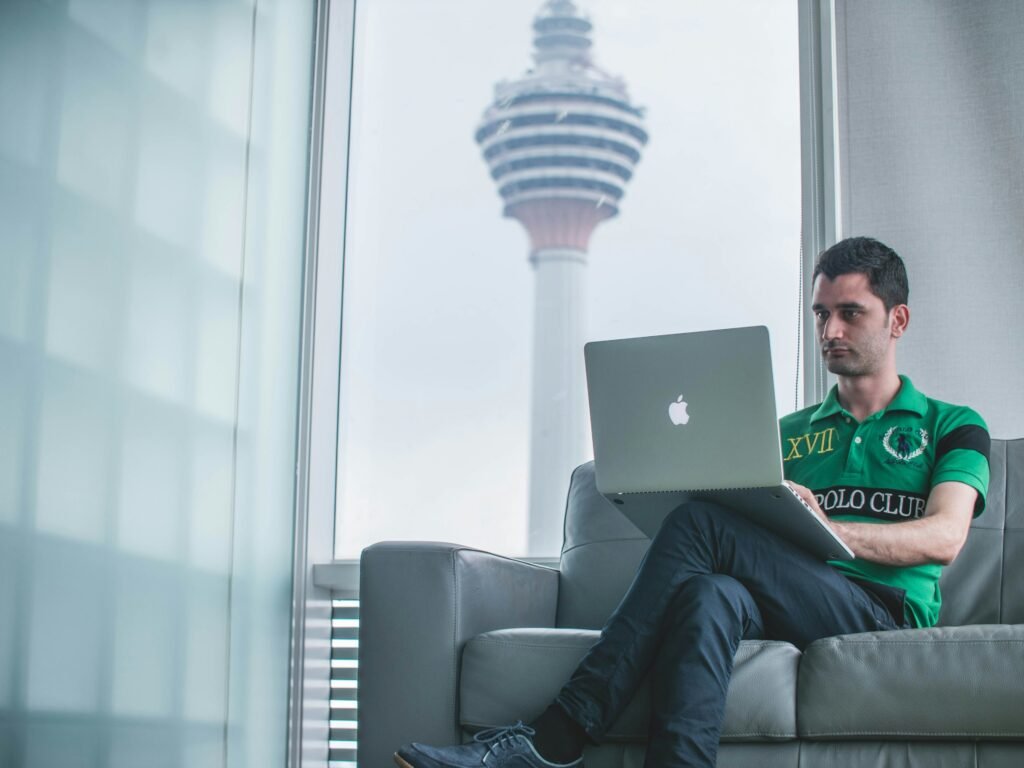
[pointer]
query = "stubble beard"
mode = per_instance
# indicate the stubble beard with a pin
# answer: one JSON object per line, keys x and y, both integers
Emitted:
{"x": 856, "y": 362}
{"x": 851, "y": 365}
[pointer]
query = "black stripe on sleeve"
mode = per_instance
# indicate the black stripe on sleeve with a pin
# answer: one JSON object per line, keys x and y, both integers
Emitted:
{"x": 969, "y": 436}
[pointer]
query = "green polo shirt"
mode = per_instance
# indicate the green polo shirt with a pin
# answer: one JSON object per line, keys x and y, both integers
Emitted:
{"x": 882, "y": 469}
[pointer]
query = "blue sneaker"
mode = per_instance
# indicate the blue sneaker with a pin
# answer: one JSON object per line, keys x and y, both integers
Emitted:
{"x": 494, "y": 748}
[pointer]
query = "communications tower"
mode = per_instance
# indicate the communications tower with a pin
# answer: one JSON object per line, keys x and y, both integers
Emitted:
{"x": 561, "y": 143}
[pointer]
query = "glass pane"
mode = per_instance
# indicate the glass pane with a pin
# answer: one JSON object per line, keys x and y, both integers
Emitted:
{"x": 153, "y": 166}
{"x": 652, "y": 161}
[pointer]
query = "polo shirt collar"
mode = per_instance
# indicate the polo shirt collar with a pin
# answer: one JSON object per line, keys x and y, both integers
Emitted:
{"x": 907, "y": 399}
{"x": 830, "y": 405}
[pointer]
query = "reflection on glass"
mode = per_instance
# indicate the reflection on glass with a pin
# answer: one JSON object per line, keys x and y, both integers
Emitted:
{"x": 160, "y": 335}
{"x": 9, "y": 632}
{"x": 145, "y": 629}
{"x": 209, "y": 485}
{"x": 134, "y": 341}
{"x": 153, "y": 483}
{"x": 60, "y": 675}
{"x": 170, "y": 154}
{"x": 18, "y": 223}
{"x": 84, "y": 283}
{"x": 76, "y": 440}
{"x": 94, "y": 127}
{"x": 13, "y": 404}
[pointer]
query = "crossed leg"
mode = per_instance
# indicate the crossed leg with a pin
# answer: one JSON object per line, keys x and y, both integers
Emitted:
{"x": 709, "y": 579}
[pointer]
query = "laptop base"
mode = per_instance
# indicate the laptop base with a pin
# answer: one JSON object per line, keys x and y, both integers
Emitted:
{"x": 776, "y": 508}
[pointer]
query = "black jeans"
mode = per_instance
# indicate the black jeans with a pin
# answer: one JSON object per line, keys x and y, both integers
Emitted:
{"x": 710, "y": 579}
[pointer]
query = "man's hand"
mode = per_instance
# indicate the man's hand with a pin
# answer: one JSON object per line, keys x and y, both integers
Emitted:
{"x": 936, "y": 537}
{"x": 810, "y": 499}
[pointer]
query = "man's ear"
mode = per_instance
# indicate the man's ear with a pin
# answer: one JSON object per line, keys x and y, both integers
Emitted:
{"x": 899, "y": 320}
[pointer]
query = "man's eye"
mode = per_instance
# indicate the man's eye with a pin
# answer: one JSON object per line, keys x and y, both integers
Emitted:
{"x": 850, "y": 314}
{"x": 821, "y": 315}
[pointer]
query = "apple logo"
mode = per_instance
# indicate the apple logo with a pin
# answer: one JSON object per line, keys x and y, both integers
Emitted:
{"x": 677, "y": 412}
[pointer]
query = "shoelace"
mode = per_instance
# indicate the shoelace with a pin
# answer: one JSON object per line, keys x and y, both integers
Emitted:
{"x": 498, "y": 738}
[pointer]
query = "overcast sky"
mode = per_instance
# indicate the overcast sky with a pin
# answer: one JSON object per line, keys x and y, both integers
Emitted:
{"x": 438, "y": 289}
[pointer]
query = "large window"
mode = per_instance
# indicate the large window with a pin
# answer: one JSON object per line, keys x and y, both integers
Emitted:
{"x": 462, "y": 334}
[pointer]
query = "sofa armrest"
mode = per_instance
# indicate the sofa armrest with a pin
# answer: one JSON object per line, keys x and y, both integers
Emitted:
{"x": 419, "y": 604}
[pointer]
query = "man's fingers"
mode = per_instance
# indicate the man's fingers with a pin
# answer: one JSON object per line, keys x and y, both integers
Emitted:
{"x": 808, "y": 496}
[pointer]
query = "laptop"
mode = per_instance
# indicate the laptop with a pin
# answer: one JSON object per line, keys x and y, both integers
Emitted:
{"x": 692, "y": 415}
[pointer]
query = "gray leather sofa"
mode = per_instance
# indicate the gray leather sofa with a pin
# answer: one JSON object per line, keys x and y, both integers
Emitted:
{"x": 454, "y": 639}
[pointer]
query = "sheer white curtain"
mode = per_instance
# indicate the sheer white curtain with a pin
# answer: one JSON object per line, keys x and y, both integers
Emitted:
{"x": 931, "y": 141}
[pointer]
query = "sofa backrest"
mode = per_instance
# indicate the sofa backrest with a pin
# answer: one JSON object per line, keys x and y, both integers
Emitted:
{"x": 601, "y": 551}
{"x": 985, "y": 585}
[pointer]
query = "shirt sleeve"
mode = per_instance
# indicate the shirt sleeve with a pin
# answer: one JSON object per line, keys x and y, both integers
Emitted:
{"x": 962, "y": 454}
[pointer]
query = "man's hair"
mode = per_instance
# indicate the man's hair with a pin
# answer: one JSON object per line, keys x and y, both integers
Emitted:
{"x": 864, "y": 255}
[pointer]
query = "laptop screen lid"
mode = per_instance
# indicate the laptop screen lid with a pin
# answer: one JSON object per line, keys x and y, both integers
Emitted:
{"x": 682, "y": 412}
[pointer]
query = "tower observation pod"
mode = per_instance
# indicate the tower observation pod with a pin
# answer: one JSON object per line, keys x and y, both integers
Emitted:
{"x": 561, "y": 144}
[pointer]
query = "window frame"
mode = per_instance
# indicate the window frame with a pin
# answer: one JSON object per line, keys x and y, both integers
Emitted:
{"x": 317, "y": 433}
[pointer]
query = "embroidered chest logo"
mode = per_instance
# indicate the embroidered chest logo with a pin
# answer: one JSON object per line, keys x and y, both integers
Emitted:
{"x": 905, "y": 443}
{"x": 809, "y": 444}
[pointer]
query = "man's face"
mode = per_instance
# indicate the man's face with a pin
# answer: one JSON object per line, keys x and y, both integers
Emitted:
{"x": 853, "y": 327}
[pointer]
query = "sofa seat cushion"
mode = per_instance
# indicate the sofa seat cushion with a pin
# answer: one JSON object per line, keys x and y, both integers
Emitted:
{"x": 513, "y": 674}
{"x": 943, "y": 683}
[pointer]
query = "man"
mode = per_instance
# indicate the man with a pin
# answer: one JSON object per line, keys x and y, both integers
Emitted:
{"x": 898, "y": 476}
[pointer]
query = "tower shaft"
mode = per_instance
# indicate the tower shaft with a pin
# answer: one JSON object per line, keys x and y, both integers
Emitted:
{"x": 558, "y": 427}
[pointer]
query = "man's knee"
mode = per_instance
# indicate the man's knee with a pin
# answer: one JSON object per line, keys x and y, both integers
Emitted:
{"x": 695, "y": 512}
{"x": 710, "y": 519}
{"x": 714, "y": 603}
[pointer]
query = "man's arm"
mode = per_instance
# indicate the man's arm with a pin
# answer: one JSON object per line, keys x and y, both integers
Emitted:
{"x": 936, "y": 537}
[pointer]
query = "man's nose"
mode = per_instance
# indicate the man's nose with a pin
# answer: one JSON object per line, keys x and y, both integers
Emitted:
{"x": 831, "y": 329}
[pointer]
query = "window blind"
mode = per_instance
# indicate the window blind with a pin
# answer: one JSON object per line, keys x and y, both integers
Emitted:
{"x": 343, "y": 733}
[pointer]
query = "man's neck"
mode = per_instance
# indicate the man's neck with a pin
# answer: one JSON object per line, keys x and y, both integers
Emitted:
{"x": 863, "y": 396}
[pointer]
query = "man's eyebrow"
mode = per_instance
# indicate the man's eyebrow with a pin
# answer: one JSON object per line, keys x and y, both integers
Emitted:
{"x": 843, "y": 305}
